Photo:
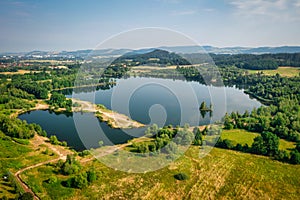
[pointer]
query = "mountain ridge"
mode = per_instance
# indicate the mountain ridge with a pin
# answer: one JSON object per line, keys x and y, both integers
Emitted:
{"x": 176, "y": 49}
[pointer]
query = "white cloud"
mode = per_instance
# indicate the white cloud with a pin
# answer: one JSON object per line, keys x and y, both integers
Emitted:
{"x": 276, "y": 9}
{"x": 184, "y": 12}
{"x": 209, "y": 9}
{"x": 170, "y": 1}
{"x": 297, "y": 3}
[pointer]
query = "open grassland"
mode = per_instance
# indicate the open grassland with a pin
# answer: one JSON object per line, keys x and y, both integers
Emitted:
{"x": 10, "y": 158}
{"x": 152, "y": 67}
{"x": 20, "y": 71}
{"x": 53, "y": 62}
{"x": 222, "y": 174}
{"x": 14, "y": 156}
{"x": 246, "y": 137}
{"x": 239, "y": 136}
{"x": 283, "y": 71}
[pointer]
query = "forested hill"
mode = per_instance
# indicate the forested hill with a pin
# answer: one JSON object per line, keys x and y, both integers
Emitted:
{"x": 250, "y": 61}
{"x": 157, "y": 56}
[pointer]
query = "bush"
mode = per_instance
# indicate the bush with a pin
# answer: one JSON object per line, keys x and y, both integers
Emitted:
{"x": 70, "y": 166}
{"x": 52, "y": 180}
{"x": 68, "y": 183}
{"x": 26, "y": 196}
{"x": 225, "y": 144}
{"x": 295, "y": 157}
{"x": 181, "y": 176}
{"x": 64, "y": 143}
{"x": 84, "y": 153}
{"x": 54, "y": 140}
{"x": 91, "y": 176}
{"x": 80, "y": 181}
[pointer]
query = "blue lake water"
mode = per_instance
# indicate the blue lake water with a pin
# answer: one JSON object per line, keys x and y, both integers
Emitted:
{"x": 147, "y": 100}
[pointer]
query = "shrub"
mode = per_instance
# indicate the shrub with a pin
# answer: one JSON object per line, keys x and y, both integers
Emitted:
{"x": 295, "y": 157}
{"x": 91, "y": 176}
{"x": 84, "y": 153}
{"x": 80, "y": 180}
{"x": 52, "y": 180}
{"x": 181, "y": 176}
{"x": 26, "y": 196}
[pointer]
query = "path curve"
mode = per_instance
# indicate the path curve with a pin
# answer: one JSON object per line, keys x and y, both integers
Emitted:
{"x": 24, "y": 185}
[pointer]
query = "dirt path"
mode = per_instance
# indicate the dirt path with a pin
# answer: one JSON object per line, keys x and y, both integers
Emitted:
{"x": 106, "y": 150}
{"x": 38, "y": 140}
{"x": 23, "y": 184}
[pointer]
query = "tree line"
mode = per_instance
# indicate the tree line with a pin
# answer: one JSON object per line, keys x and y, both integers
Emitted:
{"x": 257, "y": 62}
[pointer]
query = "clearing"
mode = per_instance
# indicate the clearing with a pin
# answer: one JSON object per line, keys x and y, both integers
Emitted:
{"x": 283, "y": 71}
{"x": 246, "y": 137}
{"x": 20, "y": 71}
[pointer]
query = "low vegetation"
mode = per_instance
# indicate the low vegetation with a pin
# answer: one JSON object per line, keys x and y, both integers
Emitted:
{"x": 213, "y": 176}
{"x": 282, "y": 71}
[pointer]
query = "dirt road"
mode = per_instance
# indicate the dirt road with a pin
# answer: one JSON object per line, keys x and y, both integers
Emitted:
{"x": 40, "y": 140}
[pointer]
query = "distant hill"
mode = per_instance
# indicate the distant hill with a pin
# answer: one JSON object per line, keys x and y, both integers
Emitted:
{"x": 176, "y": 49}
{"x": 156, "y": 56}
{"x": 232, "y": 50}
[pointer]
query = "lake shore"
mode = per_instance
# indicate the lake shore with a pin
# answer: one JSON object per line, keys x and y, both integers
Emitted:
{"x": 112, "y": 118}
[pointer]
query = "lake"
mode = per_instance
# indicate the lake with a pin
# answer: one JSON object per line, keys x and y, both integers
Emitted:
{"x": 147, "y": 100}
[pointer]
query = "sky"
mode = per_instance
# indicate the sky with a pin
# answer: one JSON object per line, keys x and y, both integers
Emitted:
{"x": 83, "y": 24}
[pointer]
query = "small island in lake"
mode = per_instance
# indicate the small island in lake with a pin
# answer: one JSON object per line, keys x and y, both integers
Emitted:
{"x": 203, "y": 107}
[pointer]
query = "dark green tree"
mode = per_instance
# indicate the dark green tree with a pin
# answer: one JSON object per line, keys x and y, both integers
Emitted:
{"x": 80, "y": 180}
{"x": 258, "y": 146}
{"x": 26, "y": 196}
{"x": 91, "y": 176}
{"x": 198, "y": 136}
{"x": 295, "y": 157}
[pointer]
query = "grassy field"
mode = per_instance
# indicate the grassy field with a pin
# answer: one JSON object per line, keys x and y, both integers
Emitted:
{"x": 20, "y": 71}
{"x": 14, "y": 156}
{"x": 283, "y": 71}
{"x": 53, "y": 62}
{"x": 246, "y": 137}
{"x": 239, "y": 136}
{"x": 10, "y": 160}
{"x": 222, "y": 174}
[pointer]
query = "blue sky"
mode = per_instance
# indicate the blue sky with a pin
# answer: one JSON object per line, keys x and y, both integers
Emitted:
{"x": 71, "y": 25}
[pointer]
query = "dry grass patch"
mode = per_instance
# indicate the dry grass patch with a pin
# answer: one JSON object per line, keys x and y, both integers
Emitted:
{"x": 283, "y": 71}
{"x": 20, "y": 71}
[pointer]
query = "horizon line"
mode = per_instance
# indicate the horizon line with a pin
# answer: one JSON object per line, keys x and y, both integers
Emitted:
{"x": 74, "y": 50}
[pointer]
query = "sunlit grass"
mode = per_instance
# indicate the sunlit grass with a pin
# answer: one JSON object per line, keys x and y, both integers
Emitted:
{"x": 246, "y": 137}
{"x": 283, "y": 71}
{"x": 222, "y": 174}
